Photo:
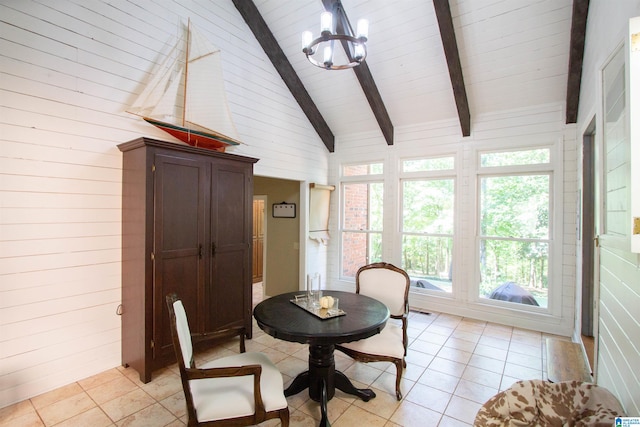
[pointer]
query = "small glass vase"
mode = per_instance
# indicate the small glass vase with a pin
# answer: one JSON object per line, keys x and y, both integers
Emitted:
{"x": 314, "y": 291}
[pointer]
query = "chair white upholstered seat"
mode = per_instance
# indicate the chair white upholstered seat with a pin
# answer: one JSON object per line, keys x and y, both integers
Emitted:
{"x": 387, "y": 343}
{"x": 233, "y": 397}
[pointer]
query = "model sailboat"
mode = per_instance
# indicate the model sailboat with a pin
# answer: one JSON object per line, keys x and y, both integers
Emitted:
{"x": 186, "y": 98}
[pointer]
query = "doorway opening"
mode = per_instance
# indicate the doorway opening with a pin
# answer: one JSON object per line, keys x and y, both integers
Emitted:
{"x": 258, "y": 239}
{"x": 589, "y": 247}
{"x": 258, "y": 248}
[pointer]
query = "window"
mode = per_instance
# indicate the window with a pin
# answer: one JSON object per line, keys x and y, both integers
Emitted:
{"x": 362, "y": 169}
{"x": 362, "y": 193}
{"x": 514, "y": 224}
{"x": 428, "y": 195}
{"x": 615, "y": 150}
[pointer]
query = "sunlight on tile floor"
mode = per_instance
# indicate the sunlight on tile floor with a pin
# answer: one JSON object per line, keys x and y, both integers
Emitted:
{"x": 454, "y": 365}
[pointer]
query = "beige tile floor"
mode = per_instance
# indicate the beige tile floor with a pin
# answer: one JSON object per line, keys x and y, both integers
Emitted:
{"x": 454, "y": 364}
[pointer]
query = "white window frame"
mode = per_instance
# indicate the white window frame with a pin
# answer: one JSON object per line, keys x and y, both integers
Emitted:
{"x": 555, "y": 171}
{"x": 430, "y": 176}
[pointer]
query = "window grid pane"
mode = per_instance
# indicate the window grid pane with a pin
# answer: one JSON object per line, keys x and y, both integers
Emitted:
{"x": 427, "y": 232}
{"x": 358, "y": 249}
{"x": 362, "y": 169}
{"x": 362, "y": 220}
{"x": 514, "y": 271}
{"x": 362, "y": 206}
{"x": 514, "y": 244}
{"x": 428, "y": 260}
{"x": 515, "y": 206}
{"x": 616, "y": 149}
{"x": 427, "y": 206}
{"x": 516, "y": 158}
{"x": 425, "y": 165}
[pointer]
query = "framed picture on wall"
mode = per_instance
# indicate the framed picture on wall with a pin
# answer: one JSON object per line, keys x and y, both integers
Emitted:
{"x": 284, "y": 210}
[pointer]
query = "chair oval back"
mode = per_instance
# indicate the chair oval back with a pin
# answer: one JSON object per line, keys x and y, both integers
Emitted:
{"x": 184, "y": 333}
{"x": 386, "y": 283}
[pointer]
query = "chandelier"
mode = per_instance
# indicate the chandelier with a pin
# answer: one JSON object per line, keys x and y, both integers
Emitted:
{"x": 354, "y": 45}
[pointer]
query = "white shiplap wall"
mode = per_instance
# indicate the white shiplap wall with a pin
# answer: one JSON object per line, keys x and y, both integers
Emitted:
{"x": 619, "y": 327}
{"x": 68, "y": 71}
{"x": 618, "y": 356}
{"x": 538, "y": 125}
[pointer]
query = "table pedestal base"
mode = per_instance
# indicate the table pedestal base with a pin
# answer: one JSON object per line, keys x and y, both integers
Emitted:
{"x": 322, "y": 379}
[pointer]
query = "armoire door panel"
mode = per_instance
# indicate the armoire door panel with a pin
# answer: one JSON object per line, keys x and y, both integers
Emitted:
{"x": 176, "y": 275}
{"x": 229, "y": 206}
{"x": 231, "y": 222}
{"x": 227, "y": 308}
{"x": 180, "y": 202}
{"x": 181, "y": 205}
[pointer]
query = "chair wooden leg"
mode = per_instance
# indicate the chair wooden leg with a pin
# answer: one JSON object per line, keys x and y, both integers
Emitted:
{"x": 284, "y": 417}
{"x": 399, "y": 364}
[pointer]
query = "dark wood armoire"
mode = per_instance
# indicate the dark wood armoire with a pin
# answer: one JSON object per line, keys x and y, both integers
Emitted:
{"x": 186, "y": 228}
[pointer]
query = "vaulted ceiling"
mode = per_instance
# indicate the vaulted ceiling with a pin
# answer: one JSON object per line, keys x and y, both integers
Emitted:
{"x": 428, "y": 60}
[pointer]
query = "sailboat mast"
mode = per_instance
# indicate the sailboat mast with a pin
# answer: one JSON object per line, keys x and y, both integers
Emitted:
{"x": 186, "y": 72}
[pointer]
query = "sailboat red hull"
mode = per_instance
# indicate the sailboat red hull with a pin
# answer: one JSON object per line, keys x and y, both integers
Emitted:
{"x": 192, "y": 137}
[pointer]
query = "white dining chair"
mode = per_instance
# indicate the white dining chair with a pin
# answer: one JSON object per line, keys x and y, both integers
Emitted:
{"x": 390, "y": 285}
{"x": 240, "y": 390}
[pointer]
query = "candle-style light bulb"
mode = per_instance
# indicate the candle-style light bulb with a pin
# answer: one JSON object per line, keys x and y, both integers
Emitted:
{"x": 328, "y": 56}
{"x": 326, "y": 22}
{"x": 362, "y": 29}
{"x": 307, "y": 38}
{"x": 358, "y": 52}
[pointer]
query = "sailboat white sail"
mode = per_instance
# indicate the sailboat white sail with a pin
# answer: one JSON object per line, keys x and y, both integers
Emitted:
{"x": 186, "y": 98}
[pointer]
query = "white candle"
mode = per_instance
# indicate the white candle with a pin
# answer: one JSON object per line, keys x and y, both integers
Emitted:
{"x": 362, "y": 28}
{"x": 307, "y": 38}
{"x": 328, "y": 53}
{"x": 326, "y": 22}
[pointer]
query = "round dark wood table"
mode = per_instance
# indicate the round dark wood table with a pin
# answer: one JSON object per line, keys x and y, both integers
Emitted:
{"x": 282, "y": 319}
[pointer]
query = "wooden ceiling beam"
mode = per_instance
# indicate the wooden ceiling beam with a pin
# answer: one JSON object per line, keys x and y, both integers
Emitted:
{"x": 265, "y": 37}
{"x": 576, "y": 55}
{"x": 363, "y": 73}
{"x": 375, "y": 100}
{"x": 448, "y": 35}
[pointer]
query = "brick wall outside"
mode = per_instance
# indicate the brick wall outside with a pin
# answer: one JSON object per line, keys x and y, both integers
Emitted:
{"x": 356, "y": 217}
